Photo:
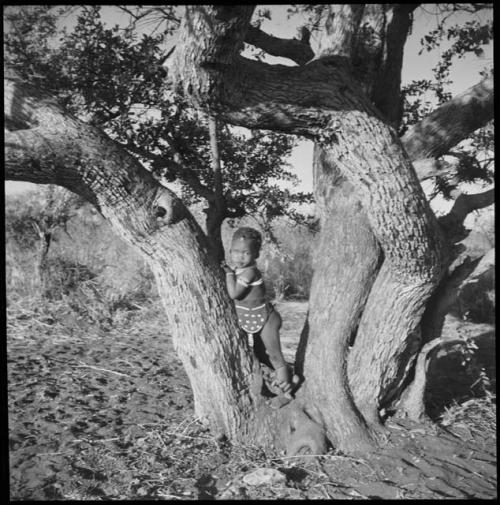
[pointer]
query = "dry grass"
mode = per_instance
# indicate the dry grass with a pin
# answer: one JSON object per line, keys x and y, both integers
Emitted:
{"x": 100, "y": 407}
{"x": 477, "y": 416}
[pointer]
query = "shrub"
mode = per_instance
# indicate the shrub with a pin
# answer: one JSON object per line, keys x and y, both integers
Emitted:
{"x": 88, "y": 267}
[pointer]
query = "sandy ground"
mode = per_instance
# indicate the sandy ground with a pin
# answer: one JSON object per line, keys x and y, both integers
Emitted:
{"x": 107, "y": 415}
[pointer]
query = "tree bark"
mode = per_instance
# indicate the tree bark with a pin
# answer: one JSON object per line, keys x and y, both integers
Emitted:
{"x": 216, "y": 204}
{"x": 377, "y": 367}
{"x": 59, "y": 149}
{"x": 54, "y": 147}
{"x": 294, "y": 49}
{"x": 324, "y": 102}
{"x": 444, "y": 128}
{"x": 348, "y": 253}
{"x": 376, "y": 51}
{"x": 347, "y": 125}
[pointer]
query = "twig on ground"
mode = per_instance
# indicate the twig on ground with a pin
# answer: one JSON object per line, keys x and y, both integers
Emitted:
{"x": 182, "y": 423}
{"x": 185, "y": 436}
{"x": 299, "y": 456}
{"x": 166, "y": 495}
{"x": 83, "y": 365}
{"x": 42, "y": 323}
{"x": 149, "y": 424}
{"x": 52, "y": 453}
{"x": 161, "y": 440}
{"x": 359, "y": 460}
{"x": 328, "y": 496}
{"x": 93, "y": 441}
{"x": 128, "y": 346}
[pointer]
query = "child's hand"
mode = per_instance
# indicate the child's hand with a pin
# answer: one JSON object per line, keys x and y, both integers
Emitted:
{"x": 226, "y": 267}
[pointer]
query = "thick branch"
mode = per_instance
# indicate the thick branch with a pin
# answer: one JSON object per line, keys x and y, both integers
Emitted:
{"x": 463, "y": 206}
{"x": 428, "y": 168}
{"x": 294, "y": 49}
{"x": 341, "y": 26}
{"x": 322, "y": 101}
{"x": 386, "y": 92}
{"x": 448, "y": 125}
{"x": 52, "y": 152}
{"x": 63, "y": 150}
{"x": 22, "y": 163}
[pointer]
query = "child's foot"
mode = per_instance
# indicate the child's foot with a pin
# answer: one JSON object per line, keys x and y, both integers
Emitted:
{"x": 282, "y": 379}
{"x": 280, "y": 401}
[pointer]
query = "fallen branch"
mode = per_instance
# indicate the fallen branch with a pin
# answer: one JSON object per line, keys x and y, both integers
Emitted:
{"x": 358, "y": 460}
{"x": 412, "y": 403}
{"x": 185, "y": 436}
{"x": 83, "y": 365}
{"x": 166, "y": 495}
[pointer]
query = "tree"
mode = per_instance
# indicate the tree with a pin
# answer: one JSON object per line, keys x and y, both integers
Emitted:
{"x": 111, "y": 77}
{"x": 382, "y": 253}
{"x": 38, "y": 222}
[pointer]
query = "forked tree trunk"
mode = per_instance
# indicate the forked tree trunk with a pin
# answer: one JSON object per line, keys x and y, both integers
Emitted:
{"x": 54, "y": 148}
{"x": 376, "y": 50}
{"x": 345, "y": 265}
{"x": 59, "y": 149}
{"x": 324, "y": 102}
{"x": 378, "y": 363}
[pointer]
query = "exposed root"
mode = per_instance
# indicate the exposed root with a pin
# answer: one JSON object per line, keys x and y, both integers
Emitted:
{"x": 412, "y": 403}
{"x": 306, "y": 436}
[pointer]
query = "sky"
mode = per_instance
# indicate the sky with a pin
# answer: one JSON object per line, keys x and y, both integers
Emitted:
{"x": 465, "y": 72}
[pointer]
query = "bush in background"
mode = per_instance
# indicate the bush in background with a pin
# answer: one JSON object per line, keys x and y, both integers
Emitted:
{"x": 100, "y": 278}
{"x": 89, "y": 267}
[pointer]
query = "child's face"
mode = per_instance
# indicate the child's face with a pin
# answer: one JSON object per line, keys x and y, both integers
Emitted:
{"x": 243, "y": 253}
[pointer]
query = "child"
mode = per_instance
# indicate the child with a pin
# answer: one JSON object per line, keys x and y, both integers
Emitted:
{"x": 255, "y": 314}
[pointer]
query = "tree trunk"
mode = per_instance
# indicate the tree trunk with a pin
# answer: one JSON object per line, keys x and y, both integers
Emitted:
{"x": 224, "y": 376}
{"x": 376, "y": 52}
{"x": 214, "y": 222}
{"x": 345, "y": 265}
{"x": 59, "y": 149}
{"x": 42, "y": 266}
{"x": 216, "y": 205}
{"x": 324, "y": 102}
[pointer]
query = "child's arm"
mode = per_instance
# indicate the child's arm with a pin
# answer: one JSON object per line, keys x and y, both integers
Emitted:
{"x": 236, "y": 289}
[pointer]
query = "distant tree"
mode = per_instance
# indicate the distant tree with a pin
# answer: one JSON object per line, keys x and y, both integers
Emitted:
{"x": 37, "y": 222}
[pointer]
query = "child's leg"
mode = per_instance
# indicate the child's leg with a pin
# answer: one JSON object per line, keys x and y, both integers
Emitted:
{"x": 270, "y": 335}
{"x": 271, "y": 339}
